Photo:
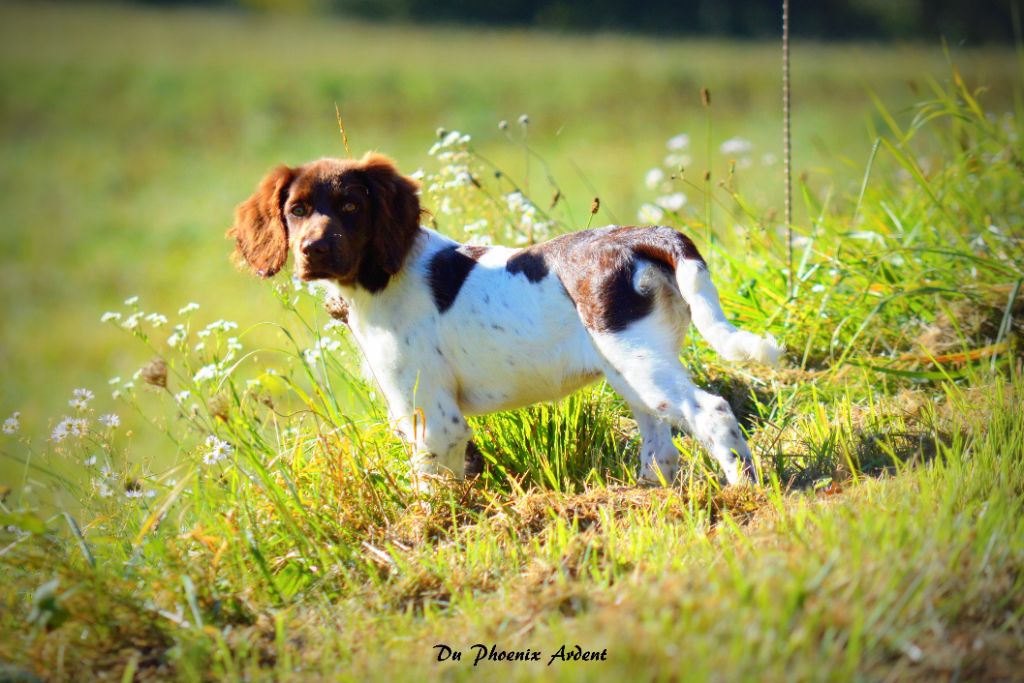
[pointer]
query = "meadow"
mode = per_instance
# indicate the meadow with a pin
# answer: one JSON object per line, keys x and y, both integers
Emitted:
{"x": 201, "y": 486}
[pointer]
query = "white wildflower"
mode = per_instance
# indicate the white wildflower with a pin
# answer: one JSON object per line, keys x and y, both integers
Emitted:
{"x": 114, "y": 380}
{"x": 654, "y": 177}
{"x": 188, "y": 308}
{"x": 678, "y": 142}
{"x": 462, "y": 179}
{"x": 516, "y": 201}
{"x": 175, "y": 339}
{"x": 417, "y": 174}
{"x": 78, "y": 427}
{"x": 91, "y": 460}
{"x": 110, "y": 315}
{"x": 104, "y": 490}
{"x": 12, "y": 424}
{"x": 133, "y": 493}
{"x": 329, "y": 344}
{"x": 524, "y": 120}
{"x": 677, "y": 160}
{"x": 737, "y": 147}
{"x": 480, "y": 240}
{"x": 206, "y": 373}
{"x": 132, "y": 321}
{"x": 81, "y": 399}
{"x": 222, "y": 325}
{"x": 650, "y": 214}
{"x": 131, "y": 301}
{"x": 111, "y": 420}
{"x": 60, "y": 431}
{"x": 476, "y": 226}
{"x": 672, "y": 202}
{"x": 182, "y": 396}
{"x": 311, "y": 355}
{"x": 156, "y": 319}
{"x": 217, "y": 450}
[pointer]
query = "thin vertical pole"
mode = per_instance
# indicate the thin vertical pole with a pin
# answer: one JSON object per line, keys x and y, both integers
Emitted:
{"x": 787, "y": 146}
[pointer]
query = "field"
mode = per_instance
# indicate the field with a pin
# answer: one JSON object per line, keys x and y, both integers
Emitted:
{"x": 247, "y": 514}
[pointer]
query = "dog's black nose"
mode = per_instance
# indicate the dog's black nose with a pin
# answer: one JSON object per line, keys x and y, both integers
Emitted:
{"x": 312, "y": 246}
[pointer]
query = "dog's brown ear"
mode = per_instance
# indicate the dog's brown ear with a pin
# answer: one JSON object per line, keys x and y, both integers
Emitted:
{"x": 260, "y": 230}
{"x": 396, "y": 217}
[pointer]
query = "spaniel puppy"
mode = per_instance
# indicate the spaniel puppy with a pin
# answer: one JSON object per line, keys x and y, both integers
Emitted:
{"x": 450, "y": 330}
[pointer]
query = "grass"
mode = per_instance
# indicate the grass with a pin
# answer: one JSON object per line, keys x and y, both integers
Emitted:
{"x": 262, "y": 527}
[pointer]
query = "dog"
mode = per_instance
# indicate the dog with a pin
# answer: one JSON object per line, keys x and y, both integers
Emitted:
{"x": 449, "y": 330}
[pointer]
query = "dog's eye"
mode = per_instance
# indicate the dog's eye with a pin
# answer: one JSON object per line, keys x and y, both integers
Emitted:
{"x": 349, "y": 207}
{"x": 299, "y": 210}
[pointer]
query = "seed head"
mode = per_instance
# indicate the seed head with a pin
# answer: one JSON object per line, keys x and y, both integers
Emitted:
{"x": 705, "y": 97}
{"x": 219, "y": 406}
{"x": 595, "y": 205}
{"x": 155, "y": 373}
{"x": 524, "y": 120}
{"x": 503, "y": 125}
{"x": 337, "y": 308}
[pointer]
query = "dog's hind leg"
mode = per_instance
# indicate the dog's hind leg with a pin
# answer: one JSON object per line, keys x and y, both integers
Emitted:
{"x": 659, "y": 458}
{"x": 641, "y": 363}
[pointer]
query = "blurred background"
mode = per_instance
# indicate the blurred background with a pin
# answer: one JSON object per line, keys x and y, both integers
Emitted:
{"x": 957, "y": 20}
{"x": 129, "y": 132}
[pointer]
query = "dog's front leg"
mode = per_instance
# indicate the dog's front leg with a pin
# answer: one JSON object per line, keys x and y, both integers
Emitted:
{"x": 438, "y": 434}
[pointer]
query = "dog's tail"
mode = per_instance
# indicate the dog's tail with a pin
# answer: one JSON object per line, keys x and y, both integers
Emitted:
{"x": 706, "y": 312}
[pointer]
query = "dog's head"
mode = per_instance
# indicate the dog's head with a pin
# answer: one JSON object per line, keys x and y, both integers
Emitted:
{"x": 347, "y": 220}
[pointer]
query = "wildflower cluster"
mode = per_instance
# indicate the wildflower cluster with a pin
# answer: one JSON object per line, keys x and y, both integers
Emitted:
{"x": 452, "y": 185}
{"x": 216, "y": 450}
{"x": 661, "y": 179}
{"x": 471, "y": 194}
{"x": 12, "y": 424}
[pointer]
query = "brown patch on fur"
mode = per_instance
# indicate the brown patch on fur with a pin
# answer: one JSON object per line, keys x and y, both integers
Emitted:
{"x": 397, "y": 211}
{"x": 473, "y": 251}
{"x": 596, "y": 267}
{"x": 260, "y": 232}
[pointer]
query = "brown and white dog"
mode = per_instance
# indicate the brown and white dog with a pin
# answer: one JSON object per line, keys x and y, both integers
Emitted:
{"x": 450, "y": 330}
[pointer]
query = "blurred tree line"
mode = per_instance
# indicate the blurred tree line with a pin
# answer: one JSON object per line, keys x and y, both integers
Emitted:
{"x": 966, "y": 21}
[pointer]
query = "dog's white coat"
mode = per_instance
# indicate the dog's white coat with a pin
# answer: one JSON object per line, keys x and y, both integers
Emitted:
{"x": 507, "y": 342}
